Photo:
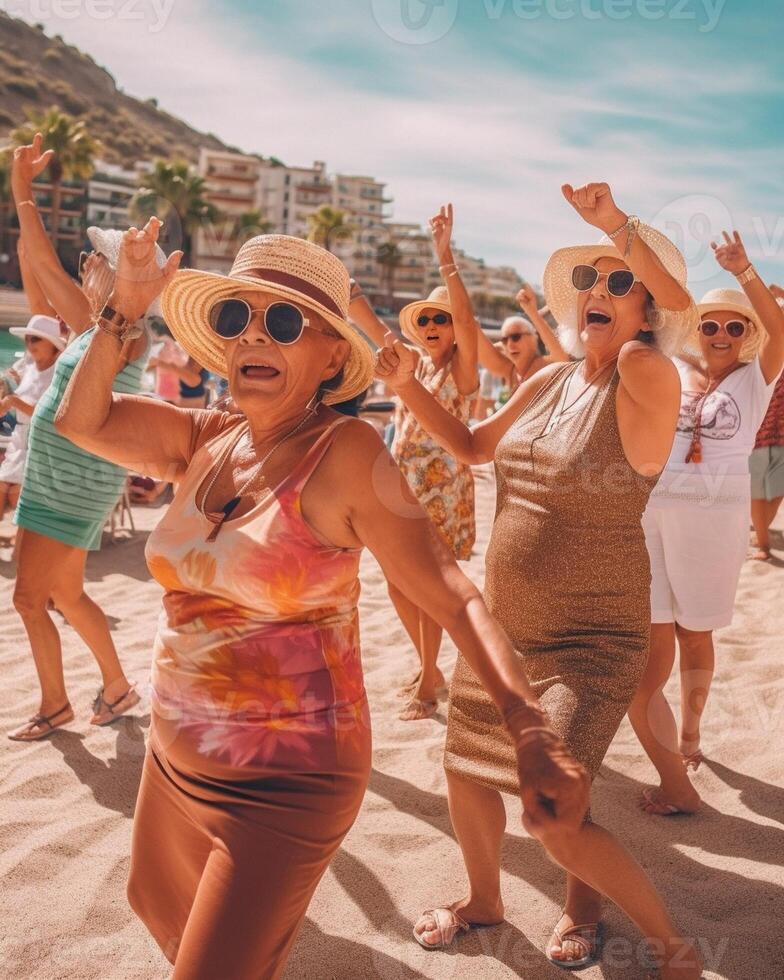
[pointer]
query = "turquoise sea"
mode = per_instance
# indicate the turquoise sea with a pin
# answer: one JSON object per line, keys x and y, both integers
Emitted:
{"x": 10, "y": 348}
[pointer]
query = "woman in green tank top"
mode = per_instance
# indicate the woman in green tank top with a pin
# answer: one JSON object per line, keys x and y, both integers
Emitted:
{"x": 67, "y": 494}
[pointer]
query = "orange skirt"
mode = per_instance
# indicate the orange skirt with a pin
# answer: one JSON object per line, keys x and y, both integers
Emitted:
{"x": 224, "y": 864}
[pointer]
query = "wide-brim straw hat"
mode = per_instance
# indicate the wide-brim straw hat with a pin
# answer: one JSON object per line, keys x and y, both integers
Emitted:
{"x": 437, "y": 300}
{"x": 293, "y": 269}
{"x": 729, "y": 301}
{"x": 42, "y": 326}
{"x": 670, "y": 327}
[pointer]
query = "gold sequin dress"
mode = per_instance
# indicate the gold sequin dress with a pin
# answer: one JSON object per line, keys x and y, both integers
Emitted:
{"x": 568, "y": 579}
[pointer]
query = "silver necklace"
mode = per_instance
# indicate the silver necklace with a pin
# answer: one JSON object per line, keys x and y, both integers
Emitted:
{"x": 230, "y": 506}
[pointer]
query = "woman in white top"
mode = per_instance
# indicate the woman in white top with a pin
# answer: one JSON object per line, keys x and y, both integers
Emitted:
{"x": 696, "y": 522}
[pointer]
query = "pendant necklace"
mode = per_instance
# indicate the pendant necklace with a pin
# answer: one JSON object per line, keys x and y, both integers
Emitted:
{"x": 228, "y": 508}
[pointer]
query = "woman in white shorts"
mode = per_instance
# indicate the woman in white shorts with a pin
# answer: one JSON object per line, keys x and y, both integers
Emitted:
{"x": 696, "y": 522}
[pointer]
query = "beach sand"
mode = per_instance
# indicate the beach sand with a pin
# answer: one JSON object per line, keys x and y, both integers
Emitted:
{"x": 67, "y": 803}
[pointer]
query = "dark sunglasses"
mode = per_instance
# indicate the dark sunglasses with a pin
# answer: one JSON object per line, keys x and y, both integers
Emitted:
{"x": 284, "y": 322}
{"x": 516, "y": 336}
{"x": 619, "y": 282}
{"x": 734, "y": 328}
{"x": 440, "y": 319}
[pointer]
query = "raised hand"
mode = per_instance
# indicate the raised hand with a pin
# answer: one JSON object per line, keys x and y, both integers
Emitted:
{"x": 139, "y": 279}
{"x": 395, "y": 362}
{"x": 778, "y": 291}
{"x": 527, "y": 301}
{"x": 732, "y": 254}
{"x": 554, "y": 787}
{"x": 441, "y": 228}
{"x": 594, "y": 203}
{"x": 29, "y": 161}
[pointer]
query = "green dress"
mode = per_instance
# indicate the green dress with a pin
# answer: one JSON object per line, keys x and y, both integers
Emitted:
{"x": 67, "y": 493}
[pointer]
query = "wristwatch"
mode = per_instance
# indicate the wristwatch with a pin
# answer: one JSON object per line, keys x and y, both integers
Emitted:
{"x": 124, "y": 329}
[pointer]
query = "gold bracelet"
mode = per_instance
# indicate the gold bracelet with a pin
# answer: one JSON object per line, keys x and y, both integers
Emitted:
{"x": 112, "y": 333}
{"x": 747, "y": 275}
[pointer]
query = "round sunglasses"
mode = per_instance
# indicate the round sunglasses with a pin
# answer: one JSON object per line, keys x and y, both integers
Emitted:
{"x": 284, "y": 322}
{"x": 619, "y": 281}
{"x": 734, "y": 328}
{"x": 440, "y": 319}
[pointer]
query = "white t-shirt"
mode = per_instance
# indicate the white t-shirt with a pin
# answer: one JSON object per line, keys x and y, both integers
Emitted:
{"x": 731, "y": 416}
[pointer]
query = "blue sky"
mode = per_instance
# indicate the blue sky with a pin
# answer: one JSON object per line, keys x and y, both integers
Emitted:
{"x": 491, "y": 104}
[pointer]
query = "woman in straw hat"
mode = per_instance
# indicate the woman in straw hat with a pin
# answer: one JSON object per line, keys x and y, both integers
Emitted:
{"x": 577, "y": 450}
{"x": 66, "y": 494}
{"x": 696, "y": 524}
{"x": 260, "y": 744}
{"x": 444, "y": 333}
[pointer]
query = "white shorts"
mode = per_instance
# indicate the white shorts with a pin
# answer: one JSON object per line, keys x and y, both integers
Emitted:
{"x": 696, "y": 557}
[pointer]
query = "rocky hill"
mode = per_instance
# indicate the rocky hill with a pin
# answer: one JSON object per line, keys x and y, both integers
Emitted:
{"x": 130, "y": 129}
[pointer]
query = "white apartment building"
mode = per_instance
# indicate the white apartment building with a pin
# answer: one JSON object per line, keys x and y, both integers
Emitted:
{"x": 109, "y": 191}
{"x": 288, "y": 195}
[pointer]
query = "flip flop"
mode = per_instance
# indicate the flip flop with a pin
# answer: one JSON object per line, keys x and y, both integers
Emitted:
{"x": 27, "y": 732}
{"x": 420, "y": 710}
{"x": 591, "y": 943}
{"x": 666, "y": 809}
{"x": 117, "y": 708}
{"x": 449, "y": 926}
{"x": 693, "y": 760}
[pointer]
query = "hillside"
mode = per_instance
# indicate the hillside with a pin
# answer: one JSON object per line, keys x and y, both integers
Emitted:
{"x": 129, "y": 129}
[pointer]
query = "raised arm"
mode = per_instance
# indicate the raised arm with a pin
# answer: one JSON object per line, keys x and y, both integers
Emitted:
{"x": 595, "y": 205}
{"x": 530, "y": 306}
{"x": 36, "y": 298}
{"x": 385, "y": 516}
{"x": 731, "y": 255}
{"x": 491, "y": 357}
{"x": 465, "y": 361}
{"x": 396, "y": 366}
{"x": 364, "y": 316}
{"x": 138, "y": 433}
{"x": 61, "y": 292}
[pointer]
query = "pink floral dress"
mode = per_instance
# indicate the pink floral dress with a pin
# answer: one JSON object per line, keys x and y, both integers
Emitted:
{"x": 260, "y": 739}
{"x": 444, "y": 486}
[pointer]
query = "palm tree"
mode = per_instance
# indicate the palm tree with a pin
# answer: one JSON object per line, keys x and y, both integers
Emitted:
{"x": 389, "y": 257}
{"x": 250, "y": 224}
{"x": 328, "y": 225}
{"x": 178, "y": 197}
{"x": 74, "y": 152}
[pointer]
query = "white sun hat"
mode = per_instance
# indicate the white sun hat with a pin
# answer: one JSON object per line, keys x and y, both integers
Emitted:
{"x": 292, "y": 268}
{"x": 729, "y": 301}
{"x": 42, "y": 326}
{"x": 437, "y": 300}
{"x": 670, "y": 327}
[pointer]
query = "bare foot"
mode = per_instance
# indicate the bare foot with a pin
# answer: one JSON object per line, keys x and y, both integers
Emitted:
{"x": 584, "y": 943}
{"x": 409, "y": 690}
{"x": 761, "y": 554}
{"x": 417, "y": 710}
{"x": 658, "y": 804}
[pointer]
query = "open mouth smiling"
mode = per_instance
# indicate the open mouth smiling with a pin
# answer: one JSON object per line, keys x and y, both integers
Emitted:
{"x": 258, "y": 369}
{"x": 594, "y": 317}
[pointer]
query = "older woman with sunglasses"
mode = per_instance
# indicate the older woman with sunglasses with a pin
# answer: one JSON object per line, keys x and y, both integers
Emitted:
{"x": 259, "y": 749}
{"x": 67, "y": 494}
{"x": 444, "y": 333}
{"x": 519, "y": 357}
{"x": 577, "y": 450}
{"x": 696, "y": 524}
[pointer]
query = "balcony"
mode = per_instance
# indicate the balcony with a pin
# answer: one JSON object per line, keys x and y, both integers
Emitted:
{"x": 222, "y": 173}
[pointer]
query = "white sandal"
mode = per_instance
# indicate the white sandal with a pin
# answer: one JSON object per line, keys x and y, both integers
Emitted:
{"x": 448, "y": 925}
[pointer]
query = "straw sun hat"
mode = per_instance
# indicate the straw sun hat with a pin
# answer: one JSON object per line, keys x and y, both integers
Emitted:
{"x": 293, "y": 269}
{"x": 729, "y": 301}
{"x": 671, "y": 327}
{"x": 437, "y": 300}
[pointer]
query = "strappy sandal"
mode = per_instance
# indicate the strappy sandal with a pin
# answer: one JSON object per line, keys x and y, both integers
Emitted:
{"x": 117, "y": 708}
{"x": 28, "y": 733}
{"x": 588, "y": 936}
{"x": 693, "y": 760}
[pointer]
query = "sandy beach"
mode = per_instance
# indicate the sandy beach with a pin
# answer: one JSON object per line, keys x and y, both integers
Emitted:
{"x": 67, "y": 805}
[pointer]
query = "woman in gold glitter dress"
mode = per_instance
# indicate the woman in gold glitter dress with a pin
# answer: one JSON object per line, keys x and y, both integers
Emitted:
{"x": 577, "y": 449}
